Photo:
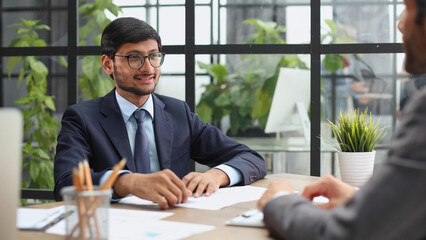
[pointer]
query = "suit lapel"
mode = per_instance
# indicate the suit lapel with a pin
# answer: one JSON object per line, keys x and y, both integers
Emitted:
{"x": 163, "y": 126}
{"x": 115, "y": 129}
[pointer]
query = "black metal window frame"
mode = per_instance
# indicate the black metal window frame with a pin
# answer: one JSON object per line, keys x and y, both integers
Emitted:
{"x": 315, "y": 49}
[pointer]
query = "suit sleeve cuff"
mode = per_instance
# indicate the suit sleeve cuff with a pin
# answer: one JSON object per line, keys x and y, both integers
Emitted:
{"x": 234, "y": 175}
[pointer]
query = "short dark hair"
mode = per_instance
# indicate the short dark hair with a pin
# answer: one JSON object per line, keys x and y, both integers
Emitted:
{"x": 421, "y": 9}
{"x": 124, "y": 30}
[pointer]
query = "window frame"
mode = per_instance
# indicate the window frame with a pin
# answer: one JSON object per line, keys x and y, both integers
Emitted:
{"x": 315, "y": 49}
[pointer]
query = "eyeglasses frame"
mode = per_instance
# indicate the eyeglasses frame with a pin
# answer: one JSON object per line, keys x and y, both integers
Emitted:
{"x": 143, "y": 59}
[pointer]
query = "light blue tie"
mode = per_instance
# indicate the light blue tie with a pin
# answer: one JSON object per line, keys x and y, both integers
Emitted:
{"x": 141, "y": 154}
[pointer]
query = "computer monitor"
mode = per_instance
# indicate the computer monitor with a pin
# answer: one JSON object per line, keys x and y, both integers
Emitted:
{"x": 290, "y": 102}
{"x": 11, "y": 126}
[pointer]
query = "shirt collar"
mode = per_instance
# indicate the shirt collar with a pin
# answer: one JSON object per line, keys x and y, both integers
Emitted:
{"x": 127, "y": 108}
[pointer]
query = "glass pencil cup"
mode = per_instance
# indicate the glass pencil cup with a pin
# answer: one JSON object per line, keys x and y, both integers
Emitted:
{"x": 89, "y": 218}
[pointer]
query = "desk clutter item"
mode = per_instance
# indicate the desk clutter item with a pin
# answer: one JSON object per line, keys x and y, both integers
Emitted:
{"x": 89, "y": 204}
{"x": 254, "y": 217}
{"x": 34, "y": 219}
{"x": 250, "y": 218}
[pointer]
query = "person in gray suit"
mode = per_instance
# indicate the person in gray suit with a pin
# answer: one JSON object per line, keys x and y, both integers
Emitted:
{"x": 392, "y": 205}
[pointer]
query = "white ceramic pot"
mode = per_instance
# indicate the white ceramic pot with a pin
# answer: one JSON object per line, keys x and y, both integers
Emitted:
{"x": 356, "y": 167}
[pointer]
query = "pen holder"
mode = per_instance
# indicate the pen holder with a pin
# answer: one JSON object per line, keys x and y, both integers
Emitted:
{"x": 89, "y": 219}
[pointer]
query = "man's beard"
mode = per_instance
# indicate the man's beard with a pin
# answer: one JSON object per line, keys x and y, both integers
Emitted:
{"x": 137, "y": 91}
{"x": 414, "y": 63}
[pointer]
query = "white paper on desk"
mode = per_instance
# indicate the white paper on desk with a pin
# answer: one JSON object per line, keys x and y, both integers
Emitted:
{"x": 117, "y": 216}
{"x": 154, "y": 229}
{"x": 221, "y": 198}
{"x": 124, "y": 213}
{"x": 32, "y": 218}
{"x": 137, "y": 224}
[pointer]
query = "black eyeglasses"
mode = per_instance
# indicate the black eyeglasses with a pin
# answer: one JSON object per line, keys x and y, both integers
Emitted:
{"x": 136, "y": 61}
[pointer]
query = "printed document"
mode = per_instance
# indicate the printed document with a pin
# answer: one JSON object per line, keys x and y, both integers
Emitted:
{"x": 221, "y": 198}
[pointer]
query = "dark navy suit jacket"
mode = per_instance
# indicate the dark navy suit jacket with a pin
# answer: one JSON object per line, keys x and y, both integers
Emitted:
{"x": 95, "y": 130}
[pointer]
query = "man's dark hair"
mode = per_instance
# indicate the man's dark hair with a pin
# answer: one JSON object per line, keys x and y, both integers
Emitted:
{"x": 421, "y": 10}
{"x": 125, "y": 30}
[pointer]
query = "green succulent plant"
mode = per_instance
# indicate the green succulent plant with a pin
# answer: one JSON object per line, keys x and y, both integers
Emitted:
{"x": 354, "y": 133}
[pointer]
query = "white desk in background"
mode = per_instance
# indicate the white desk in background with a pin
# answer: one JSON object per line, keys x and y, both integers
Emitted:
{"x": 277, "y": 152}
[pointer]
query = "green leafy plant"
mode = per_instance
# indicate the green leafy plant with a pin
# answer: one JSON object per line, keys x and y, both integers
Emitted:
{"x": 332, "y": 62}
{"x": 92, "y": 80}
{"x": 332, "y": 34}
{"x": 355, "y": 134}
{"x": 246, "y": 95}
{"x": 40, "y": 127}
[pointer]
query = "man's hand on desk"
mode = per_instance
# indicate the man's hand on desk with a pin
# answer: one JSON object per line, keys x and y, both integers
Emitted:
{"x": 208, "y": 182}
{"x": 166, "y": 189}
{"x": 163, "y": 187}
{"x": 328, "y": 186}
{"x": 273, "y": 189}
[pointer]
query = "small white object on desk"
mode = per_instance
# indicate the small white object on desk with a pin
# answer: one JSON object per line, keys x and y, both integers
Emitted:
{"x": 320, "y": 200}
{"x": 250, "y": 218}
{"x": 254, "y": 217}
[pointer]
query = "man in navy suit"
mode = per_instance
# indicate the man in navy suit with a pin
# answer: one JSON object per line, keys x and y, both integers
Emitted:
{"x": 103, "y": 130}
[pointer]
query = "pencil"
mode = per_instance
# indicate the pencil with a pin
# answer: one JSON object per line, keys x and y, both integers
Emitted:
{"x": 78, "y": 183}
{"x": 89, "y": 184}
{"x": 110, "y": 181}
{"x": 87, "y": 176}
{"x": 85, "y": 219}
{"x": 81, "y": 175}
{"x": 78, "y": 180}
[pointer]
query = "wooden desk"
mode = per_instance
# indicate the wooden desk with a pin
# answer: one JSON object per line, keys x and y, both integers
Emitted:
{"x": 216, "y": 218}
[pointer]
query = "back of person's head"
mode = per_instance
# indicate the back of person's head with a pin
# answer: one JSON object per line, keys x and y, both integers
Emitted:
{"x": 421, "y": 11}
{"x": 126, "y": 30}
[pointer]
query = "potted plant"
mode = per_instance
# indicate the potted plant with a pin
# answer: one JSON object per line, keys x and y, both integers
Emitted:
{"x": 356, "y": 137}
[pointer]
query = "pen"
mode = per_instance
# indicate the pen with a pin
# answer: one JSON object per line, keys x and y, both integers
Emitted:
{"x": 250, "y": 213}
{"x": 57, "y": 219}
{"x": 39, "y": 225}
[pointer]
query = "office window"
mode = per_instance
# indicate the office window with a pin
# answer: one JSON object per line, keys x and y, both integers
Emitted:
{"x": 365, "y": 21}
{"x": 53, "y": 15}
{"x": 238, "y": 92}
{"x": 217, "y": 32}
